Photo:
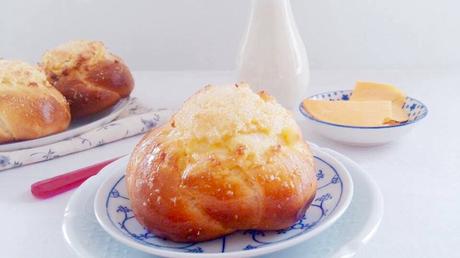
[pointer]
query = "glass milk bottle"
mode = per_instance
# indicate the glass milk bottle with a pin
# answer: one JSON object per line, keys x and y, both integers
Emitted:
{"x": 273, "y": 56}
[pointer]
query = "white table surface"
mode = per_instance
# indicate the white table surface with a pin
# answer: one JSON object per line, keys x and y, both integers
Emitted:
{"x": 419, "y": 176}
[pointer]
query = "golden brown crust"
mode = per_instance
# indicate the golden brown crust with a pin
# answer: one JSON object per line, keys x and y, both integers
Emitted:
{"x": 113, "y": 76}
{"x": 187, "y": 188}
{"x": 90, "y": 78}
{"x": 85, "y": 100}
{"x": 29, "y": 106}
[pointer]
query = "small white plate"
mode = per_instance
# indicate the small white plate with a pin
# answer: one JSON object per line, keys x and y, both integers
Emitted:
{"x": 363, "y": 135}
{"x": 343, "y": 239}
{"x": 334, "y": 194}
{"x": 75, "y": 128}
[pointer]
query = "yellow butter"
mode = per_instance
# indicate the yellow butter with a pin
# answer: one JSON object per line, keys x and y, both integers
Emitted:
{"x": 367, "y": 91}
{"x": 355, "y": 113}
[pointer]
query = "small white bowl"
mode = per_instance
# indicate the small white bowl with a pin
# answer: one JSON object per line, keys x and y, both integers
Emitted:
{"x": 363, "y": 135}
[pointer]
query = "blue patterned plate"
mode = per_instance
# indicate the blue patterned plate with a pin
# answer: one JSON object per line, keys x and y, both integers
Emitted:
{"x": 363, "y": 135}
{"x": 335, "y": 190}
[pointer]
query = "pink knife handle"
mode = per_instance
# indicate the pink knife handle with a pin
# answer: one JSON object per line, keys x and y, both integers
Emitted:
{"x": 53, "y": 186}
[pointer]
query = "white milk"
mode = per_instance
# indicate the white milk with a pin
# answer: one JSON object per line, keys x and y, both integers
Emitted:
{"x": 273, "y": 56}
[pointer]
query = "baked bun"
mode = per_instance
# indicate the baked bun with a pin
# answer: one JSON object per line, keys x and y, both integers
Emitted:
{"x": 228, "y": 160}
{"x": 29, "y": 106}
{"x": 91, "y": 78}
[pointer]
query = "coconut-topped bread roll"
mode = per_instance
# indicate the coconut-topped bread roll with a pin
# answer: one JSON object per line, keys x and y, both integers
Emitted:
{"x": 91, "y": 78}
{"x": 228, "y": 160}
{"x": 29, "y": 106}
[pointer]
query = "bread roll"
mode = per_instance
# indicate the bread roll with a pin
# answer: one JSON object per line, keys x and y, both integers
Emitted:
{"x": 91, "y": 78}
{"x": 228, "y": 160}
{"x": 29, "y": 106}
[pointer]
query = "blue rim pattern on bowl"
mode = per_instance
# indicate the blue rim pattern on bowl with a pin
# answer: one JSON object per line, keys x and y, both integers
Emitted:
{"x": 415, "y": 108}
{"x": 256, "y": 236}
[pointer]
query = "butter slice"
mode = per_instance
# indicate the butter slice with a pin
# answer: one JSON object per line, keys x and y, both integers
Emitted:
{"x": 355, "y": 113}
{"x": 366, "y": 91}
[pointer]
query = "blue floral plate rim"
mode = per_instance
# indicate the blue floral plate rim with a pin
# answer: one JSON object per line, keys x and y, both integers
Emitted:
{"x": 306, "y": 114}
{"x": 240, "y": 253}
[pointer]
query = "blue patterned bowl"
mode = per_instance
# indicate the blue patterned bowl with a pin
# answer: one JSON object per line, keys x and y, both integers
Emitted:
{"x": 363, "y": 135}
{"x": 113, "y": 212}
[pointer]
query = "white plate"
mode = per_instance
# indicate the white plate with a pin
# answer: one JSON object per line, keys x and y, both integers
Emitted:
{"x": 334, "y": 194}
{"x": 363, "y": 135}
{"x": 75, "y": 128}
{"x": 358, "y": 224}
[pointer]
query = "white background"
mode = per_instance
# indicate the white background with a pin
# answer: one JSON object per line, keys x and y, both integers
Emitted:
{"x": 205, "y": 34}
{"x": 352, "y": 39}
